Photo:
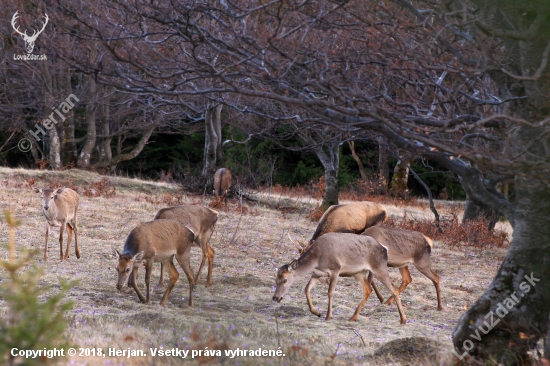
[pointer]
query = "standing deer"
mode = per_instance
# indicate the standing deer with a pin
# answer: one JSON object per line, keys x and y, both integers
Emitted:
{"x": 201, "y": 220}
{"x": 156, "y": 241}
{"x": 222, "y": 182}
{"x": 59, "y": 208}
{"x": 352, "y": 217}
{"x": 405, "y": 247}
{"x": 336, "y": 255}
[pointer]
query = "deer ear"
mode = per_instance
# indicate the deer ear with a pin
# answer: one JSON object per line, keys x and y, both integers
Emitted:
{"x": 137, "y": 257}
{"x": 37, "y": 190}
{"x": 59, "y": 190}
{"x": 292, "y": 266}
{"x": 116, "y": 253}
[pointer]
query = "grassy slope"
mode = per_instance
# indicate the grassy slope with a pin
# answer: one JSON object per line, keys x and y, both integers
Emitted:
{"x": 237, "y": 310}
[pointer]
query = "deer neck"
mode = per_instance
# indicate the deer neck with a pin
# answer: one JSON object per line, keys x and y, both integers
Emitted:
{"x": 305, "y": 264}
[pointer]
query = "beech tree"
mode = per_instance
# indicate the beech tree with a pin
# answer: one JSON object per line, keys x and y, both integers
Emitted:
{"x": 440, "y": 80}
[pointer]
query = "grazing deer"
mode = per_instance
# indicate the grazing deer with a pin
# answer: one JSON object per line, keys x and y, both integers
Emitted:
{"x": 336, "y": 255}
{"x": 201, "y": 220}
{"x": 156, "y": 241}
{"x": 59, "y": 208}
{"x": 222, "y": 182}
{"x": 405, "y": 247}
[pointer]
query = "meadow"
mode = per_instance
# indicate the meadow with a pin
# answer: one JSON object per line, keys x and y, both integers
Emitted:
{"x": 237, "y": 311}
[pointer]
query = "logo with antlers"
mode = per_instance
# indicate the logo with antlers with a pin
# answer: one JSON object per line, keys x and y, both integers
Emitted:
{"x": 29, "y": 40}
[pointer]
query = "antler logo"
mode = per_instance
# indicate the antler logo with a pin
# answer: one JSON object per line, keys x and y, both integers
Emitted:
{"x": 29, "y": 40}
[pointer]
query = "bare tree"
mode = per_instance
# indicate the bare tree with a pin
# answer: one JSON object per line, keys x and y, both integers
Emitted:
{"x": 424, "y": 75}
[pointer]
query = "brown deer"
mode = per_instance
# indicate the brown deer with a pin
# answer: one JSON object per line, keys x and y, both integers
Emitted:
{"x": 156, "y": 241}
{"x": 222, "y": 182}
{"x": 352, "y": 217}
{"x": 405, "y": 247}
{"x": 336, "y": 255}
{"x": 59, "y": 207}
{"x": 201, "y": 220}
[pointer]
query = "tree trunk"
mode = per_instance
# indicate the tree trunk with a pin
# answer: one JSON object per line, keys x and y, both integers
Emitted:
{"x": 54, "y": 144}
{"x": 358, "y": 161}
{"x": 212, "y": 143}
{"x": 400, "y": 179}
{"x": 331, "y": 164}
{"x": 383, "y": 169}
{"x": 105, "y": 152}
{"x": 135, "y": 151}
{"x": 68, "y": 145}
{"x": 473, "y": 212}
{"x": 522, "y": 318}
{"x": 86, "y": 153}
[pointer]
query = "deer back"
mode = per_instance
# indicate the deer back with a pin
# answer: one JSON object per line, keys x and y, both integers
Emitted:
{"x": 346, "y": 252}
{"x": 222, "y": 181}
{"x": 350, "y": 218}
{"x": 403, "y": 245}
{"x": 201, "y": 220}
{"x": 158, "y": 238}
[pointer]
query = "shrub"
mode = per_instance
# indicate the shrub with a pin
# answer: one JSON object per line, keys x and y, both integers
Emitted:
{"x": 474, "y": 234}
{"x": 30, "y": 324}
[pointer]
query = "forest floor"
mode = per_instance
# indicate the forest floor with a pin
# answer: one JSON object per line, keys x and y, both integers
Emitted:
{"x": 236, "y": 312}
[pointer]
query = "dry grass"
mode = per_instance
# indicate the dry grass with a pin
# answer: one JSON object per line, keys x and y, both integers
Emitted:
{"x": 237, "y": 311}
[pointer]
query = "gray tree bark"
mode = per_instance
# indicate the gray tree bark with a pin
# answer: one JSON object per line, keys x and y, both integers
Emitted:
{"x": 358, "y": 161}
{"x": 86, "y": 154}
{"x": 330, "y": 162}
{"x": 213, "y": 153}
{"x": 383, "y": 169}
{"x": 400, "y": 179}
{"x": 54, "y": 143}
{"x": 68, "y": 145}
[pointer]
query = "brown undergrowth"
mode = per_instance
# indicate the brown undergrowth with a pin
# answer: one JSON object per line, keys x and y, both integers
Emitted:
{"x": 472, "y": 233}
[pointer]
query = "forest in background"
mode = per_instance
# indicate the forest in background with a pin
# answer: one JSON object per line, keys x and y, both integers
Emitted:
{"x": 177, "y": 157}
{"x": 459, "y": 86}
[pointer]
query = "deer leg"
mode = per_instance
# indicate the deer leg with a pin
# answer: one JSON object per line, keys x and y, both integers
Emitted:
{"x": 148, "y": 273}
{"x": 367, "y": 290}
{"x": 184, "y": 260}
{"x": 381, "y": 273}
{"x": 161, "y": 280}
{"x": 46, "y": 245}
{"x": 375, "y": 287}
{"x": 312, "y": 281}
{"x": 406, "y": 279}
{"x": 210, "y": 265}
{"x": 203, "y": 261}
{"x": 70, "y": 234}
{"x": 61, "y": 241}
{"x": 174, "y": 275}
{"x": 132, "y": 281}
{"x": 76, "y": 249}
{"x": 331, "y": 288}
{"x": 423, "y": 267}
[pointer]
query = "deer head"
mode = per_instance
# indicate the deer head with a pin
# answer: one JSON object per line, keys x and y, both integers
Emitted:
{"x": 29, "y": 40}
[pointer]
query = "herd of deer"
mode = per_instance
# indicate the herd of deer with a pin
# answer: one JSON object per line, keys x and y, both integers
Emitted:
{"x": 349, "y": 241}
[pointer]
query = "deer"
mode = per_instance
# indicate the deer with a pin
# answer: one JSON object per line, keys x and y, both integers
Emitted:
{"x": 335, "y": 255}
{"x": 59, "y": 207}
{"x": 222, "y": 182}
{"x": 405, "y": 247}
{"x": 155, "y": 241}
{"x": 201, "y": 220}
{"x": 29, "y": 40}
{"x": 352, "y": 217}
